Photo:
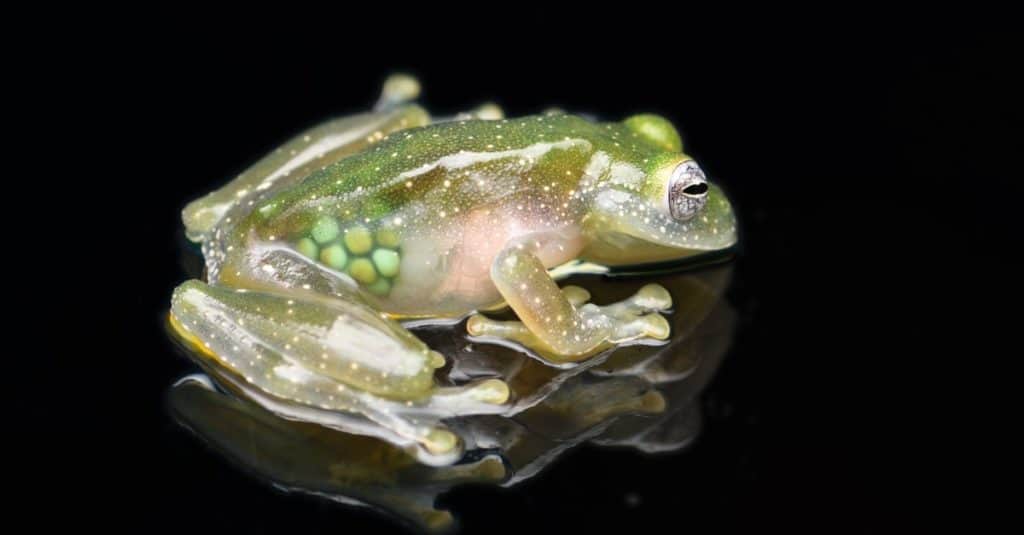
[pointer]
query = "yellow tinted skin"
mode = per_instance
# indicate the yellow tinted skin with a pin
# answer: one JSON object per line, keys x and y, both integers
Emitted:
{"x": 412, "y": 218}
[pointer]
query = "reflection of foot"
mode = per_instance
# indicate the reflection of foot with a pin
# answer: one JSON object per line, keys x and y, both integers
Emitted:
{"x": 350, "y": 468}
{"x": 635, "y": 318}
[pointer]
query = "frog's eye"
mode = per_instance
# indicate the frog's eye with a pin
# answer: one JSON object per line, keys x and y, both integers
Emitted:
{"x": 687, "y": 191}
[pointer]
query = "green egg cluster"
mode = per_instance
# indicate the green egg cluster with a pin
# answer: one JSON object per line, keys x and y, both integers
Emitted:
{"x": 371, "y": 258}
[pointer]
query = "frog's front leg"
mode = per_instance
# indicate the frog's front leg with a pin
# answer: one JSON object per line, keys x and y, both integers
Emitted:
{"x": 334, "y": 354}
{"x": 559, "y": 324}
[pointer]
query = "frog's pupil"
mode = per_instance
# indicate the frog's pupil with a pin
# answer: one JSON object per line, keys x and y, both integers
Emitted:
{"x": 696, "y": 189}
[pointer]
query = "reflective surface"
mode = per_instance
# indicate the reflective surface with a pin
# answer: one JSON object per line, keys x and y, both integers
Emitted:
{"x": 641, "y": 397}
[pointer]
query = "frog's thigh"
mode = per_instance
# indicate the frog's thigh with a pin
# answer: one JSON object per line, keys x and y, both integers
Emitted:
{"x": 307, "y": 152}
{"x": 557, "y": 324}
{"x": 334, "y": 354}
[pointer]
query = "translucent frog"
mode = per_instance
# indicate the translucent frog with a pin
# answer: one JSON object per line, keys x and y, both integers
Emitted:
{"x": 318, "y": 253}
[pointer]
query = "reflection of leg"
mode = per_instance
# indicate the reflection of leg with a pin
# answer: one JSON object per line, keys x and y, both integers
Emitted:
{"x": 585, "y": 402}
{"x": 329, "y": 354}
{"x": 557, "y": 324}
{"x": 318, "y": 460}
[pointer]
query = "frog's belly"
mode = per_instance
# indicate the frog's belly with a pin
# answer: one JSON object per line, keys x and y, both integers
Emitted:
{"x": 448, "y": 272}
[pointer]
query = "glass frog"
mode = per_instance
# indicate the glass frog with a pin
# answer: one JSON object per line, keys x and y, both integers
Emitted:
{"x": 317, "y": 253}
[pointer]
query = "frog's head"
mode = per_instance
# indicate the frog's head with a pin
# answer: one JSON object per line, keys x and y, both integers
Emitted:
{"x": 674, "y": 211}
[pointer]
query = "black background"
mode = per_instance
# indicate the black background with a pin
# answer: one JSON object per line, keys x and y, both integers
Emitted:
{"x": 870, "y": 165}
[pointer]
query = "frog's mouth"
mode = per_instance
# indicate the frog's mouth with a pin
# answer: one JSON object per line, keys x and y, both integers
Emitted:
{"x": 692, "y": 261}
{"x": 649, "y": 258}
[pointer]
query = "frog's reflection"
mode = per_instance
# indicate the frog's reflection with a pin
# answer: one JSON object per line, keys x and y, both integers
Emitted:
{"x": 641, "y": 396}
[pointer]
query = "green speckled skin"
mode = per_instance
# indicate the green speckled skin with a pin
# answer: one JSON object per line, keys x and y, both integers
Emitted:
{"x": 425, "y": 218}
{"x": 455, "y": 188}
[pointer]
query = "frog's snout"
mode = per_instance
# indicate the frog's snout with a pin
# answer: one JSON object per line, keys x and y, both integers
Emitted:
{"x": 687, "y": 191}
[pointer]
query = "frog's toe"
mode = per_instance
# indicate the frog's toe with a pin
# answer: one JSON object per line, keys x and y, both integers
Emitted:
{"x": 639, "y": 316}
{"x": 487, "y": 391}
{"x": 482, "y": 326}
{"x": 652, "y": 325}
{"x": 576, "y": 295}
{"x": 440, "y": 441}
{"x": 650, "y": 298}
{"x": 398, "y": 89}
{"x": 653, "y": 297}
{"x": 493, "y": 391}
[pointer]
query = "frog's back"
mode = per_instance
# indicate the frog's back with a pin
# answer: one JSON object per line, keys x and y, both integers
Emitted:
{"x": 437, "y": 203}
{"x": 408, "y": 158}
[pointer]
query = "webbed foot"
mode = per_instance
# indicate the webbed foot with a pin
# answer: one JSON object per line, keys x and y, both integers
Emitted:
{"x": 634, "y": 318}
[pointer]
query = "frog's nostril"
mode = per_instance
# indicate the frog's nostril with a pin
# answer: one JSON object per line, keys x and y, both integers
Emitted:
{"x": 696, "y": 189}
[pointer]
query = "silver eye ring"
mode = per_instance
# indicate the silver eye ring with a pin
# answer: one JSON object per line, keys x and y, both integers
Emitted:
{"x": 687, "y": 191}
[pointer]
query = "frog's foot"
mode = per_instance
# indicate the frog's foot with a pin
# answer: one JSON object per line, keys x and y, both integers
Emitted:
{"x": 587, "y": 328}
{"x": 303, "y": 354}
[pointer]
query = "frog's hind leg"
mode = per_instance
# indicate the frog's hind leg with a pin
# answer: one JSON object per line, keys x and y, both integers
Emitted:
{"x": 306, "y": 153}
{"x": 334, "y": 355}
